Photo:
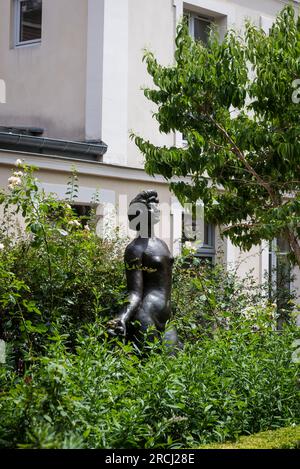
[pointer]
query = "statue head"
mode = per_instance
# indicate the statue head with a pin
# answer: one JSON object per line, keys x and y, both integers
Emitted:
{"x": 144, "y": 213}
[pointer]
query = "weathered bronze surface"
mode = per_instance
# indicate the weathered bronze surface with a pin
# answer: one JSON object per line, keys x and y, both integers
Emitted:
{"x": 148, "y": 264}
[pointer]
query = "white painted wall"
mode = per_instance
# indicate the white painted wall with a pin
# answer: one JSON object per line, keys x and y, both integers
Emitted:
{"x": 2, "y": 92}
{"x": 151, "y": 26}
{"x": 46, "y": 82}
{"x": 115, "y": 188}
{"x": 115, "y": 80}
{"x": 84, "y": 81}
{"x": 94, "y": 70}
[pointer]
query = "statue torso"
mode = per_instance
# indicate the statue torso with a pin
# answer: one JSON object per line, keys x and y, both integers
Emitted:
{"x": 153, "y": 257}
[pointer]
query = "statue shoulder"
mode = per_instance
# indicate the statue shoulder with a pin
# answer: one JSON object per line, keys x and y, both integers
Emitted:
{"x": 134, "y": 250}
{"x": 163, "y": 245}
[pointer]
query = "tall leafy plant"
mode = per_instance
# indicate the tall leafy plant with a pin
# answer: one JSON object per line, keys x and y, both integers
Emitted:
{"x": 233, "y": 102}
{"x": 55, "y": 272}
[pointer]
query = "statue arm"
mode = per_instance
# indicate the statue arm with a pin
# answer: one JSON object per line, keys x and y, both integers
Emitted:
{"x": 134, "y": 276}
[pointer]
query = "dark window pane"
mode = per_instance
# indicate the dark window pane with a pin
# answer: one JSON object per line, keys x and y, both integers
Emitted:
{"x": 283, "y": 266}
{"x": 283, "y": 273}
{"x": 30, "y": 20}
{"x": 201, "y": 30}
{"x": 206, "y": 250}
{"x": 280, "y": 277}
{"x": 209, "y": 237}
{"x": 207, "y": 240}
{"x": 283, "y": 245}
{"x": 82, "y": 210}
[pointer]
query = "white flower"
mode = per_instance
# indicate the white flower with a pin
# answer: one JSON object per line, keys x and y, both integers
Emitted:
{"x": 14, "y": 181}
{"x": 68, "y": 206}
{"x": 18, "y": 174}
{"x": 87, "y": 228}
{"x": 1, "y": 247}
{"x": 19, "y": 163}
{"x": 190, "y": 246}
{"x": 74, "y": 223}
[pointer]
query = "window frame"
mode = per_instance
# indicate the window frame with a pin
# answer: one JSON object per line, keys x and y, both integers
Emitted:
{"x": 205, "y": 250}
{"x": 215, "y": 12}
{"x": 276, "y": 255}
{"x": 17, "y": 27}
{"x": 208, "y": 251}
{"x": 192, "y": 16}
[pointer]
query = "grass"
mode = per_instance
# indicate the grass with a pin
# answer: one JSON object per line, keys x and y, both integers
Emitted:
{"x": 283, "y": 438}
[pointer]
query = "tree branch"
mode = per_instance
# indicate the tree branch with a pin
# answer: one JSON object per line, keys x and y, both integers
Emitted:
{"x": 240, "y": 225}
{"x": 235, "y": 149}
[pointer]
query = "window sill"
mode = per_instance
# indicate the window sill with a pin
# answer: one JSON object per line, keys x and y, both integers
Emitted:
{"x": 27, "y": 44}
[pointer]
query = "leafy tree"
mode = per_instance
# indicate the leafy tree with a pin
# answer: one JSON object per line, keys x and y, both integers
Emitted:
{"x": 236, "y": 104}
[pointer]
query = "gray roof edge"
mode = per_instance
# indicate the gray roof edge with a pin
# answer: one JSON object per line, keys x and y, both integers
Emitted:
{"x": 44, "y": 145}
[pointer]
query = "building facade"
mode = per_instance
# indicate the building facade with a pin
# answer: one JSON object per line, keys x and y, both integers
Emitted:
{"x": 71, "y": 79}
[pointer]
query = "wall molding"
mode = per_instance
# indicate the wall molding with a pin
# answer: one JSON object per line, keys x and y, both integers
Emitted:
{"x": 96, "y": 169}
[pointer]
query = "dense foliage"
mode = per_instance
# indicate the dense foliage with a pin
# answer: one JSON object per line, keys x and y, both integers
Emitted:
{"x": 236, "y": 103}
{"x": 282, "y": 438}
{"x": 66, "y": 384}
{"x": 104, "y": 395}
{"x": 57, "y": 270}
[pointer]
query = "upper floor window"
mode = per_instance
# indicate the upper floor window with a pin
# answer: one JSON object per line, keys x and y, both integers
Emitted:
{"x": 199, "y": 26}
{"x": 28, "y": 24}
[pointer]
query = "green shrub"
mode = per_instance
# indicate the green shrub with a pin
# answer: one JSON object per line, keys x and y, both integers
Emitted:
{"x": 55, "y": 273}
{"x": 104, "y": 395}
{"x": 212, "y": 293}
{"x": 283, "y": 438}
{"x": 78, "y": 388}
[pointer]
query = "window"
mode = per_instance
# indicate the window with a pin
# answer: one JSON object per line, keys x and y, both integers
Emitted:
{"x": 280, "y": 275}
{"x": 199, "y": 26}
{"x": 28, "y": 21}
{"x": 279, "y": 265}
{"x": 206, "y": 250}
{"x": 83, "y": 212}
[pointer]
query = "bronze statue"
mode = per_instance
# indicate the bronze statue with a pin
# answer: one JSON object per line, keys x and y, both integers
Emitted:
{"x": 148, "y": 264}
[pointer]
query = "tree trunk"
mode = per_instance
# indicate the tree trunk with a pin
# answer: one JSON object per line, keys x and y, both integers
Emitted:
{"x": 294, "y": 244}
